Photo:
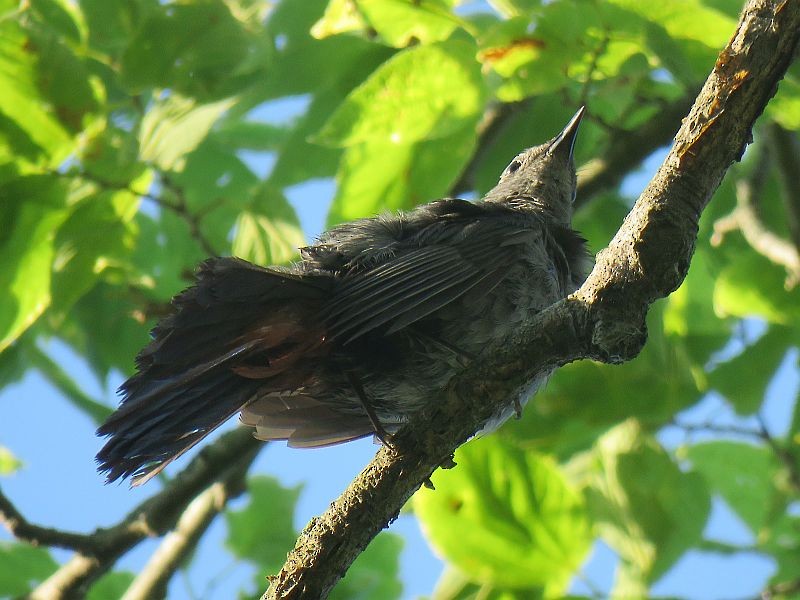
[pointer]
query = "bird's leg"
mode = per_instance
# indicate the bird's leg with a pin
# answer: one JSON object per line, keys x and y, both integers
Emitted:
{"x": 517, "y": 408}
{"x": 380, "y": 432}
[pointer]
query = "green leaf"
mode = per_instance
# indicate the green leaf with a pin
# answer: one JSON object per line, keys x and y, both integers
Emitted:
{"x": 111, "y": 585}
{"x": 175, "y": 126}
{"x": 237, "y": 134}
{"x": 197, "y": 49}
{"x": 264, "y": 542}
{"x": 21, "y": 566}
{"x": 112, "y": 24}
{"x": 341, "y": 16}
{"x": 647, "y": 509}
{"x": 506, "y": 517}
{"x": 30, "y": 128}
{"x": 8, "y": 462}
{"x": 31, "y": 211}
{"x": 743, "y": 474}
{"x": 97, "y": 237}
{"x": 743, "y": 380}
{"x": 421, "y": 93}
{"x": 107, "y": 326}
{"x": 751, "y": 285}
{"x": 399, "y": 22}
{"x": 269, "y": 233}
{"x": 60, "y": 16}
{"x": 381, "y": 176}
{"x": 454, "y": 585}
{"x": 785, "y": 106}
{"x": 374, "y": 574}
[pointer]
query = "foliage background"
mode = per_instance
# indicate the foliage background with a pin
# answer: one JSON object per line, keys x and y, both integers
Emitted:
{"x": 138, "y": 137}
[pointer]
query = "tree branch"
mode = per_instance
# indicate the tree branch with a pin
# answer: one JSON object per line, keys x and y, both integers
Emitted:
{"x": 604, "y": 320}
{"x": 223, "y": 461}
{"x": 36, "y": 535}
{"x": 151, "y": 582}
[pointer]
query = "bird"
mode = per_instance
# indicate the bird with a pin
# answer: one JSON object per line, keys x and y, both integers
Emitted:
{"x": 361, "y": 332}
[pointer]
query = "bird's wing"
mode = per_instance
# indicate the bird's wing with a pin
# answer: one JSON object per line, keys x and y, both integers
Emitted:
{"x": 425, "y": 274}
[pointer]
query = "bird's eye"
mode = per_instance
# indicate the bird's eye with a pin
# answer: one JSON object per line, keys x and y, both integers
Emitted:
{"x": 513, "y": 167}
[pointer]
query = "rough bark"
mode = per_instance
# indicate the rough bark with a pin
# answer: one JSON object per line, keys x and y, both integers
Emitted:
{"x": 604, "y": 320}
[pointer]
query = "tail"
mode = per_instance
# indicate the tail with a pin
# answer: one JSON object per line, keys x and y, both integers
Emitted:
{"x": 238, "y": 326}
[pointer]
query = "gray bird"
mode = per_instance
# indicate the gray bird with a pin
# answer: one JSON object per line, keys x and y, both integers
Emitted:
{"x": 374, "y": 320}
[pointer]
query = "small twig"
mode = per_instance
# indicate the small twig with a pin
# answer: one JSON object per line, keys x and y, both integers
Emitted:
{"x": 181, "y": 208}
{"x": 36, "y": 535}
{"x": 152, "y": 580}
{"x": 232, "y": 453}
{"x": 715, "y": 428}
{"x": 783, "y": 589}
{"x": 783, "y": 455}
{"x": 745, "y": 218}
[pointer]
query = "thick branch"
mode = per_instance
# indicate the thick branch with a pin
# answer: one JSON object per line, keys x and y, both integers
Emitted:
{"x": 222, "y": 461}
{"x": 646, "y": 260}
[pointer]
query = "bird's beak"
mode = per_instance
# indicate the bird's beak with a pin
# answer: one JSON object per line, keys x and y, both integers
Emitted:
{"x": 564, "y": 142}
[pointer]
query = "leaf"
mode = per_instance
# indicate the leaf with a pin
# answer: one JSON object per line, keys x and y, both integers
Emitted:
{"x": 506, "y": 517}
{"x": 31, "y": 211}
{"x": 196, "y": 49}
{"x": 111, "y": 585}
{"x": 421, "y": 93}
{"x": 264, "y": 541}
{"x": 751, "y": 285}
{"x": 98, "y": 236}
{"x": 107, "y": 327}
{"x": 376, "y": 177}
{"x": 399, "y": 22}
{"x": 341, "y": 16}
{"x": 454, "y": 585}
{"x": 21, "y": 566}
{"x": 743, "y": 474}
{"x": 8, "y": 462}
{"x": 236, "y": 134}
{"x": 28, "y": 124}
{"x": 269, "y": 233}
{"x": 647, "y": 509}
{"x": 743, "y": 380}
{"x": 374, "y": 574}
{"x": 175, "y": 126}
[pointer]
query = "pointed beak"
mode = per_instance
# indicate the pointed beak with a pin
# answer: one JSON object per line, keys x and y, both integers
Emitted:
{"x": 564, "y": 142}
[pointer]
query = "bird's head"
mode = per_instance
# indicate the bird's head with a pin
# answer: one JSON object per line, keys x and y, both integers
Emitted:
{"x": 542, "y": 177}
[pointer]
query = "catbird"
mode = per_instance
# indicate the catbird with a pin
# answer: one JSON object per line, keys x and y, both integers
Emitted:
{"x": 365, "y": 329}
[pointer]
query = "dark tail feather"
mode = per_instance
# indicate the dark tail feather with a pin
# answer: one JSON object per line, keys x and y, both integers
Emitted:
{"x": 238, "y": 327}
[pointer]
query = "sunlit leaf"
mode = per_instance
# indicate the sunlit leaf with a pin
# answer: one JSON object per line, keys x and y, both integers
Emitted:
{"x": 399, "y": 22}
{"x": 8, "y": 462}
{"x": 31, "y": 211}
{"x": 175, "y": 126}
{"x": 506, "y": 517}
{"x": 268, "y": 233}
{"x": 423, "y": 92}
{"x": 382, "y": 176}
